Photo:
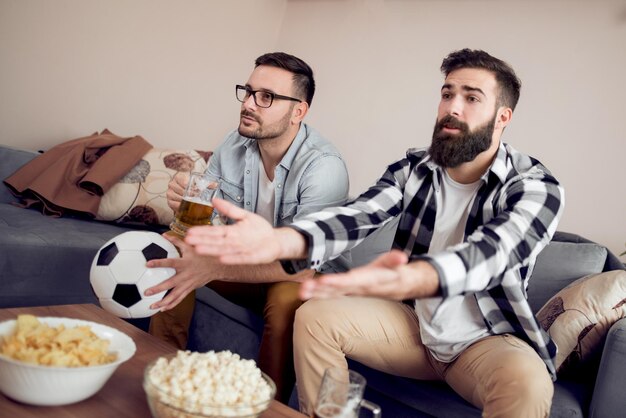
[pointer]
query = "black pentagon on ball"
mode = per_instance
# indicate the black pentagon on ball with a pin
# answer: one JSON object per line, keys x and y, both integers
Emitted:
{"x": 154, "y": 252}
{"x": 126, "y": 294}
{"x": 107, "y": 254}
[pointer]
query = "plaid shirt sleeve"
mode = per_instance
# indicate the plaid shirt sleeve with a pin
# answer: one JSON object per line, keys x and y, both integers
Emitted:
{"x": 334, "y": 230}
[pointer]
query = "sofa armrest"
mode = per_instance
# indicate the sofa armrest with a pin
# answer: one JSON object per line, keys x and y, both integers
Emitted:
{"x": 608, "y": 396}
{"x": 10, "y": 160}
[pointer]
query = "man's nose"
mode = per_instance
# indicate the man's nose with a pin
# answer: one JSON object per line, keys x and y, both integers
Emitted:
{"x": 249, "y": 103}
{"x": 456, "y": 107}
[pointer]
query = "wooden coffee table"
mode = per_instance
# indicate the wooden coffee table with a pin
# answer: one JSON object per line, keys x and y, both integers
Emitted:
{"x": 123, "y": 395}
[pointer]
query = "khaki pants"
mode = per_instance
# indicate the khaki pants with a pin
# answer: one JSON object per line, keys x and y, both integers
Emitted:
{"x": 276, "y": 302}
{"x": 502, "y": 375}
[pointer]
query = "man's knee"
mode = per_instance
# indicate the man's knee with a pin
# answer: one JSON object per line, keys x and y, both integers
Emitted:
{"x": 536, "y": 386}
{"x": 524, "y": 385}
{"x": 315, "y": 318}
{"x": 283, "y": 295}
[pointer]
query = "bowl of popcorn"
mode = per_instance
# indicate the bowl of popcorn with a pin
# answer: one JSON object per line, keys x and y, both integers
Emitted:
{"x": 212, "y": 384}
{"x": 58, "y": 361}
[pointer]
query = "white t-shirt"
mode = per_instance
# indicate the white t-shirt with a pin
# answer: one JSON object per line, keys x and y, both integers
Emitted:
{"x": 458, "y": 321}
{"x": 266, "y": 196}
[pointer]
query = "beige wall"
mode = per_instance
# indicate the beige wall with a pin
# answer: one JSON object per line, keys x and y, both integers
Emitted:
{"x": 166, "y": 70}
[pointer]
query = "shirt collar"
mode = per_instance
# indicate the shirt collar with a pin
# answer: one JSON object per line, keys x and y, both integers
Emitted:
{"x": 293, "y": 149}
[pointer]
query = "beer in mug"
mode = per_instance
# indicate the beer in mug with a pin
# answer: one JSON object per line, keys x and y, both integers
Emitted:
{"x": 195, "y": 208}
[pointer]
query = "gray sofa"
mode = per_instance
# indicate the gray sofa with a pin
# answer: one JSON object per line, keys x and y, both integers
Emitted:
{"x": 46, "y": 261}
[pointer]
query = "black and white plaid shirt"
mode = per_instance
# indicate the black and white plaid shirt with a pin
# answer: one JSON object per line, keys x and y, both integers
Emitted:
{"x": 513, "y": 217}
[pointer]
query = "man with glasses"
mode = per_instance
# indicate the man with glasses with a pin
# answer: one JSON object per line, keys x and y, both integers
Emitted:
{"x": 280, "y": 168}
{"x": 474, "y": 213}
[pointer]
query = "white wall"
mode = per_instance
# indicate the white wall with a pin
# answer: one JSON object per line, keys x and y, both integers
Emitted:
{"x": 166, "y": 70}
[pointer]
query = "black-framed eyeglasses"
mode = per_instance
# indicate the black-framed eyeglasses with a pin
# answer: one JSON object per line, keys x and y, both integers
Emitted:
{"x": 261, "y": 98}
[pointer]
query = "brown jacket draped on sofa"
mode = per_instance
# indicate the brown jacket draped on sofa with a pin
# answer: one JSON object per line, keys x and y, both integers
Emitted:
{"x": 73, "y": 176}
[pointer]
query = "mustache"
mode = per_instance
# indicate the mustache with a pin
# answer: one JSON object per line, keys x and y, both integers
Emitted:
{"x": 249, "y": 114}
{"x": 451, "y": 122}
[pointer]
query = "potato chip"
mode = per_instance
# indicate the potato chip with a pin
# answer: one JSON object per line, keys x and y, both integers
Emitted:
{"x": 39, "y": 343}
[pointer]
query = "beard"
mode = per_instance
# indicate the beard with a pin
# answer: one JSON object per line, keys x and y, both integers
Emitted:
{"x": 272, "y": 131}
{"x": 449, "y": 150}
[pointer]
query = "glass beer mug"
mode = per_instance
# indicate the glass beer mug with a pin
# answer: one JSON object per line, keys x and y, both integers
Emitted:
{"x": 196, "y": 207}
{"x": 341, "y": 395}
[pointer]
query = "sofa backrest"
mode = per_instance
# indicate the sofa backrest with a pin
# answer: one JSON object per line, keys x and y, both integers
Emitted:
{"x": 10, "y": 160}
{"x": 567, "y": 258}
{"x": 375, "y": 244}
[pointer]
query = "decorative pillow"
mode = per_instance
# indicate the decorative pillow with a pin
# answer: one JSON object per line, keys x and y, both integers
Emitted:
{"x": 139, "y": 197}
{"x": 580, "y": 315}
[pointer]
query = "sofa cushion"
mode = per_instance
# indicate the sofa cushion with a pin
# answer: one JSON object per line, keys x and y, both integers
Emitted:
{"x": 559, "y": 264}
{"x": 46, "y": 261}
{"x": 139, "y": 197}
{"x": 579, "y": 316}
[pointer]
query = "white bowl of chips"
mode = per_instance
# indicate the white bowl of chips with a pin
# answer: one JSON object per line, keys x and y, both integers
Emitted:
{"x": 58, "y": 361}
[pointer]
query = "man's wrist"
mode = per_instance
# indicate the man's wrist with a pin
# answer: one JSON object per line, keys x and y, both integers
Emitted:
{"x": 292, "y": 244}
{"x": 425, "y": 278}
{"x": 293, "y": 250}
{"x": 294, "y": 266}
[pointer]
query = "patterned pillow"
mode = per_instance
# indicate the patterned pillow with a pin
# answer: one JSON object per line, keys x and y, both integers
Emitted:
{"x": 580, "y": 315}
{"x": 139, "y": 197}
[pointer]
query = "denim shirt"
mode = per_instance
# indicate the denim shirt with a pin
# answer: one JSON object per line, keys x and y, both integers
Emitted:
{"x": 310, "y": 177}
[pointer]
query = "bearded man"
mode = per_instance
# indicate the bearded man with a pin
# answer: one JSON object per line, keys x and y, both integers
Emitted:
{"x": 474, "y": 214}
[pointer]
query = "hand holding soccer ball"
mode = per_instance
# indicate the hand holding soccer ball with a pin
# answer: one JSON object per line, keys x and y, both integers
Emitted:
{"x": 119, "y": 276}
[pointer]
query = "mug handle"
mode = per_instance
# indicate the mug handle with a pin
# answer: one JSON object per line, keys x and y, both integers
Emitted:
{"x": 372, "y": 407}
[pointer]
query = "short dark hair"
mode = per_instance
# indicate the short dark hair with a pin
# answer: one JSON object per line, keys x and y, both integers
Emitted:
{"x": 508, "y": 83}
{"x": 302, "y": 73}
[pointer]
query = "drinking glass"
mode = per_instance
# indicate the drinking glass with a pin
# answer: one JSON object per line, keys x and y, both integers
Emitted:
{"x": 341, "y": 395}
{"x": 196, "y": 207}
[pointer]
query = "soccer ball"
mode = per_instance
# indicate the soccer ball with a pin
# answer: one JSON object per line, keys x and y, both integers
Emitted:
{"x": 119, "y": 275}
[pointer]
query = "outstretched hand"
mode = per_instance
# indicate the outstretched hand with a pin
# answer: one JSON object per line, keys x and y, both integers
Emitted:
{"x": 388, "y": 276}
{"x": 250, "y": 240}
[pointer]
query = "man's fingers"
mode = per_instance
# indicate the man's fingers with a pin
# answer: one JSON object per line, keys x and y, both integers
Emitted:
{"x": 391, "y": 259}
{"x": 163, "y": 286}
{"x": 179, "y": 182}
{"x": 163, "y": 262}
{"x": 229, "y": 210}
{"x": 172, "y": 299}
{"x": 215, "y": 240}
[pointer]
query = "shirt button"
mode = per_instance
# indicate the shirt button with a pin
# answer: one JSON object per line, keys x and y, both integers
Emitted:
{"x": 238, "y": 198}
{"x": 247, "y": 171}
{"x": 280, "y": 185}
{"x": 247, "y": 203}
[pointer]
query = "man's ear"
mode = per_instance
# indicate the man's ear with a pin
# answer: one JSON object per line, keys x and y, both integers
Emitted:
{"x": 503, "y": 118}
{"x": 299, "y": 112}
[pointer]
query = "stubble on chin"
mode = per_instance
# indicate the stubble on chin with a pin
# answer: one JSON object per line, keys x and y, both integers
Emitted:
{"x": 248, "y": 133}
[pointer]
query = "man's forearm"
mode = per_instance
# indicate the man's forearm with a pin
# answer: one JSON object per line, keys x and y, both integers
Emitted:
{"x": 258, "y": 273}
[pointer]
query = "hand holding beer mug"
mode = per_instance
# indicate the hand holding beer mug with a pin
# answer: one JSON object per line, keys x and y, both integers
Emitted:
{"x": 196, "y": 207}
{"x": 341, "y": 395}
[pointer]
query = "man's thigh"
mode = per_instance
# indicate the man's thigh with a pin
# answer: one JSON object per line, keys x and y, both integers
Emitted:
{"x": 379, "y": 333}
{"x": 496, "y": 368}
